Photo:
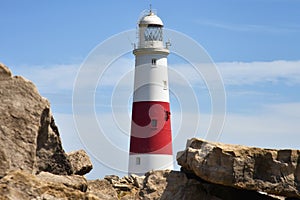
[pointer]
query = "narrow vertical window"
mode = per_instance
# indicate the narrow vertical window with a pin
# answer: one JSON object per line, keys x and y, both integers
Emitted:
{"x": 154, "y": 123}
{"x": 138, "y": 161}
{"x": 153, "y": 61}
{"x": 165, "y": 84}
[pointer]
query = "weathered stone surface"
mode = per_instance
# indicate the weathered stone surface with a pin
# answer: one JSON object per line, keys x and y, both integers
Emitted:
{"x": 167, "y": 185}
{"x": 80, "y": 162}
{"x": 170, "y": 185}
{"x": 102, "y": 189}
{"x": 29, "y": 138}
{"x": 112, "y": 178}
{"x": 137, "y": 180}
{"x": 73, "y": 181}
{"x": 50, "y": 155}
{"x": 267, "y": 170}
{"x": 19, "y": 184}
{"x": 4, "y": 72}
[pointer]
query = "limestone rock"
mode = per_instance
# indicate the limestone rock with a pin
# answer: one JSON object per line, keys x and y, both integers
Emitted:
{"x": 266, "y": 170}
{"x": 170, "y": 185}
{"x": 22, "y": 185}
{"x": 102, "y": 189}
{"x": 50, "y": 155}
{"x": 137, "y": 180}
{"x": 112, "y": 178}
{"x": 167, "y": 185}
{"x": 80, "y": 161}
{"x": 4, "y": 72}
{"x": 73, "y": 181}
{"x": 156, "y": 185}
{"x": 29, "y": 138}
{"x": 125, "y": 187}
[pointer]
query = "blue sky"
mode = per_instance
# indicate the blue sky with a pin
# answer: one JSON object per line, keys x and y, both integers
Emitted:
{"x": 254, "y": 44}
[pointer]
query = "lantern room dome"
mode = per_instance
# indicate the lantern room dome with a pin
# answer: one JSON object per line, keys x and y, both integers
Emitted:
{"x": 150, "y": 19}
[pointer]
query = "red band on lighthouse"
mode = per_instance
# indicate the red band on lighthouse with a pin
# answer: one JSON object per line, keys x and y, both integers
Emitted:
{"x": 151, "y": 128}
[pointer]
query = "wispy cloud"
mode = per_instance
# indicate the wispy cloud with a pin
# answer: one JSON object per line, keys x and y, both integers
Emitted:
{"x": 241, "y": 73}
{"x": 248, "y": 73}
{"x": 56, "y": 78}
{"x": 244, "y": 85}
{"x": 49, "y": 78}
{"x": 276, "y": 126}
{"x": 251, "y": 27}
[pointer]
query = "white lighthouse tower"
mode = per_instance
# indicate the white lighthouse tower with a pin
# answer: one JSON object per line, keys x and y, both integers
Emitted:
{"x": 151, "y": 137}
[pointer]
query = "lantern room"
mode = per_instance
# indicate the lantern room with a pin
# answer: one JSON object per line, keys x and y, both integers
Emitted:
{"x": 150, "y": 31}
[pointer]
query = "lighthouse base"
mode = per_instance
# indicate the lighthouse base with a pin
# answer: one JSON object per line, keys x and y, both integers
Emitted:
{"x": 139, "y": 164}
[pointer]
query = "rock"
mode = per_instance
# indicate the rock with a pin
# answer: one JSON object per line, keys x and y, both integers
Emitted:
{"x": 137, "y": 180}
{"x": 170, "y": 185}
{"x": 29, "y": 138}
{"x": 162, "y": 184}
{"x": 112, "y": 179}
{"x": 167, "y": 185}
{"x": 4, "y": 72}
{"x": 267, "y": 170}
{"x": 123, "y": 187}
{"x": 74, "y": 181}
{"x": 80, "y": 162}
{"x": 50, "y": 155}
{"x": 102, "y": 189}
{"x": 22, "y": 185}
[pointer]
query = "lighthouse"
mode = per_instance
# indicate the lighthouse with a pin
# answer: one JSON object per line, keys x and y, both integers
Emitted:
{"x": 151, "y": 136}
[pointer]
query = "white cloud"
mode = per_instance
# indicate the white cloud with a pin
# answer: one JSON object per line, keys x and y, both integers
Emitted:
{"x": 49, "y": 79}
{"x": 241, "y": 73}
{"x": 276, "y": 126}
{"x": 247, "y": 73}
{"x": 288, "y": 110}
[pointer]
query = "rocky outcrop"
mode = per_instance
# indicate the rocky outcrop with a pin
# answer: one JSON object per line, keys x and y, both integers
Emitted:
{"x": 19, "y": 184}
{"x": 4, "y": 72}
{"x": 33, "y": 164}
{"x": 80, "y": 162}
{"x": 163, "y": 184}
{"x": 266, "y": 170}
{"x": 73, "y": 181}
{"x": 168, "y": 185}
{"x": 29, "y": 138}
{"x": 103, "y": 189}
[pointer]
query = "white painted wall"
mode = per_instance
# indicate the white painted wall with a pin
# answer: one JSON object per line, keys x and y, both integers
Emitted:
{"x": 151, "y": 81}
{"x": 149, "y": 162}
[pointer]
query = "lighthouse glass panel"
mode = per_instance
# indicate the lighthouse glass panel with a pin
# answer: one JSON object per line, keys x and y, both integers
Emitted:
{"x": 153, "y": 33}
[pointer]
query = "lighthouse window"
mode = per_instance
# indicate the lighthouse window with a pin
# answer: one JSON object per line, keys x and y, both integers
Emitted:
{"x": 165, "y": 85}
{"x": 153, "y": 61}
{"x": 138, "y": 161}
{"x": 154, "y": 123}
{"x": 153, "y": 33}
